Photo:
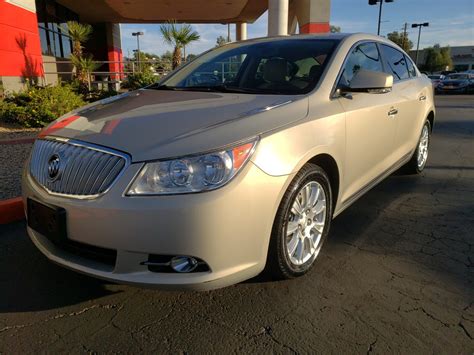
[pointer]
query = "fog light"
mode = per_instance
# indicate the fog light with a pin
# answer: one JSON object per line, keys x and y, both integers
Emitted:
{"x": 183, "y": 263}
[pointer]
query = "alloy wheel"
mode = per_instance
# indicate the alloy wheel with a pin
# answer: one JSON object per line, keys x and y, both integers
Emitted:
{"x": 423, "y": 147}
{"x": 305, "y": 224}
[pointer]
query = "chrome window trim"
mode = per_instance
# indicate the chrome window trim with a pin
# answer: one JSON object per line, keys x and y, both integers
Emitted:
{"x": 91, "y": 146}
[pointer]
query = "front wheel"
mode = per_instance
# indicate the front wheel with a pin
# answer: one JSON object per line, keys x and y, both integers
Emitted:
{"x": 417, "y": 162}
{"x": 301, "y": 225}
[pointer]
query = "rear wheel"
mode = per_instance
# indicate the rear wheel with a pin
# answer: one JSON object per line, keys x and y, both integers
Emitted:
{"x": 418, "y": 161}
{"x": 301, "y": 225}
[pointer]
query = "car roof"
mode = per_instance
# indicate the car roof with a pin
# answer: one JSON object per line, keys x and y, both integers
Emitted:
{"x": 353, "y": 37}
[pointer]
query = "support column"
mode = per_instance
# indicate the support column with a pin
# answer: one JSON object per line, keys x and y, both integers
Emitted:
{"x": 241, "y": 31}
{"x": 20, "y": 49}
{"x": 313, "y": 15}
{"x": 277, "y": 17}
{"x": 114, "y": 49}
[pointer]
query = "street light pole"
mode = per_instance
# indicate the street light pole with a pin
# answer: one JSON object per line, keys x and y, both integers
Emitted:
{"x": 404, "y": 35}
{"x": 374, "y": 2}
{"x": 138, "y": 34}
{"x": 419, "y": 25}
{"x": 380, "y": 17}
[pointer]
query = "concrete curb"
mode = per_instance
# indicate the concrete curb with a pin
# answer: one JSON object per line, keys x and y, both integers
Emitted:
{"x": 11, "y": 210}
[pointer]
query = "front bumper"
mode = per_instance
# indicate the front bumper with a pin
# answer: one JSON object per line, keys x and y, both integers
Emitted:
{"x": 228, "y": 228}
{"x": 455, "y": 90}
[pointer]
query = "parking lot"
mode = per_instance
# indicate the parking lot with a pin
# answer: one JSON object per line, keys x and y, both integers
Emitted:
{"x": 396, "y": 275}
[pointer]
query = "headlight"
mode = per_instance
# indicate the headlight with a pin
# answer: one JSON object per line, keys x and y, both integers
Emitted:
{"x": 192, "y": 173}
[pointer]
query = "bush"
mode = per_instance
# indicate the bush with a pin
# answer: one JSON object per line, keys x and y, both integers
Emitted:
{"x": 37, "y": 106}
{"x": 96, "y": 95}
{"x": 139, "y": 80}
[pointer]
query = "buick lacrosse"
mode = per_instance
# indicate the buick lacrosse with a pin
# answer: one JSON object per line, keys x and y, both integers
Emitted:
{"x": 235, "y": 163}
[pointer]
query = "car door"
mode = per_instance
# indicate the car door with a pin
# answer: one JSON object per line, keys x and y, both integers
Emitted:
{"x": 370, "y": 124}
{"x": 410, "y": 95}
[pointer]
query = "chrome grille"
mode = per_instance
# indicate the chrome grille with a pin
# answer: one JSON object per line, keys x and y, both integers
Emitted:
{"x": 84, "y": 171}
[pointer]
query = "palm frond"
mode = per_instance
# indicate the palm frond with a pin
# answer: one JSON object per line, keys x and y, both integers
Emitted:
{"x": 79, "y": 32}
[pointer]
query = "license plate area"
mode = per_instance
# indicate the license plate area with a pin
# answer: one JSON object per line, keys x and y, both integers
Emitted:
{"x": 48, "y": 220}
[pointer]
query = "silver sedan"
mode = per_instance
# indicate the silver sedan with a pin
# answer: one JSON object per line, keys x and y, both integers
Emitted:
{"x": 235, "y": 163}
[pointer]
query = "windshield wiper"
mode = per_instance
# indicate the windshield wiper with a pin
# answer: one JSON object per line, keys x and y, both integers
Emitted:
{"x": 230, "y": 89}
{"x": 162, "y": 87}
{"x": 218, "y": 88}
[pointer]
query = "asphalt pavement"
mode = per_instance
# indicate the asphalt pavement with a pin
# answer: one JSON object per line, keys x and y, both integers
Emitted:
{"x": 395, "y": 276}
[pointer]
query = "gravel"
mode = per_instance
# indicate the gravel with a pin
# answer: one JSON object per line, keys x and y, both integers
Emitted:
{"x": 12, "y": 159}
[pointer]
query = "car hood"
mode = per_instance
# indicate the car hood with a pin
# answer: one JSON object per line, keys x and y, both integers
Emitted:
{"x": 156, "y": 124}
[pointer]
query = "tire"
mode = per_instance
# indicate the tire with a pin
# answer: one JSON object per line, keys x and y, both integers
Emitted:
{"x": 414, "y": 167}
{"x": 309, "y": 234}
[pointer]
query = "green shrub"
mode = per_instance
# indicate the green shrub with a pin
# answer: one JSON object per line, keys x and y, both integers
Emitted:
{"x": 139, "y": 80}
{"x": 38, "y": 106}
{"x": 96, "y": 95}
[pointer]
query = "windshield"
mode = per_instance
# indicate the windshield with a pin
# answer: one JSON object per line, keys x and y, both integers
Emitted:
{"x": 289, "y": 66}
{"x": 457, "y": 77}
{"x": 434, "y": 76}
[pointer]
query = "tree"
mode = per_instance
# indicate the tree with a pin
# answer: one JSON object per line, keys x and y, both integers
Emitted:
{"x": 447, "y": 61}
{"x": 79, "y": 34}
{"x": 85, "y": 66}
{"x": 190, "y": 57}
{"x": 178, "y": 36}
{"x": 221, "y": 40}
{"x": 437, "y": 58}
{"x": 335, "y": 29}
{"x": 401, "y": 39}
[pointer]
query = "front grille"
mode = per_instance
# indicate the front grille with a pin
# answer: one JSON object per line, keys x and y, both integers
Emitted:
{"x": 74, "y": 169}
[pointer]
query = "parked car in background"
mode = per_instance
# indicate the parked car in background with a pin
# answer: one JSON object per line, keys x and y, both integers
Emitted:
{"x": 458, "y": 83}
{"x": 436, "y": 79}
{"x": 447, "y": 72}
{"x": 200, "y": 184}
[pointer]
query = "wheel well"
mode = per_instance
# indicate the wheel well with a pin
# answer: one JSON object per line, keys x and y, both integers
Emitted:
{"x": 329, "y": 165}
{"x": 431, "y": 118}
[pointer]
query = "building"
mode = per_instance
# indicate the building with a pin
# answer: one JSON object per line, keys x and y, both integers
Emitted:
{"x": 35, "y": 44}
{"x": 462, "y": 56}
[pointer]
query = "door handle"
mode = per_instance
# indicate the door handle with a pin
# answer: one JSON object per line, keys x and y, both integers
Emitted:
{"x": 392, "y": 112}
{"x": 422, "y": 98}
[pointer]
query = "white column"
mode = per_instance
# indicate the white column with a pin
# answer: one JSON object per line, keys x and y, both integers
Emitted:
{"x": 241, "y": 31}
{"x": 277, "y": 17}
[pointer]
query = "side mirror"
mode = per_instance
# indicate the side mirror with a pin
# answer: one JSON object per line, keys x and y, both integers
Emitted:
{"x": 369, "y": 81}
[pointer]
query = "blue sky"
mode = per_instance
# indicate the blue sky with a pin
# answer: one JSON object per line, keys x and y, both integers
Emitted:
{"x": 451, "y": 23}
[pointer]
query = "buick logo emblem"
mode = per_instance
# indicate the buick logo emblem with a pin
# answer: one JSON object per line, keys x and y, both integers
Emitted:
{"x": 54, "y": 167}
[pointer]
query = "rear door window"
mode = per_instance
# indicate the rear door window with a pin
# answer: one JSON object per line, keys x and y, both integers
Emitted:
{"x": 395, "y": 63}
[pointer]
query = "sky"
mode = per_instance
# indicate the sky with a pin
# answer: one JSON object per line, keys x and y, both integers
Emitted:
{"x": 451, "y": 23}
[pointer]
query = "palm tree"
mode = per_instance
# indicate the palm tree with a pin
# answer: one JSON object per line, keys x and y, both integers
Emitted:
{"x": 85, "y": 65}
{"x": 79, "y": 34}
{"x": 179, "y": 37}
